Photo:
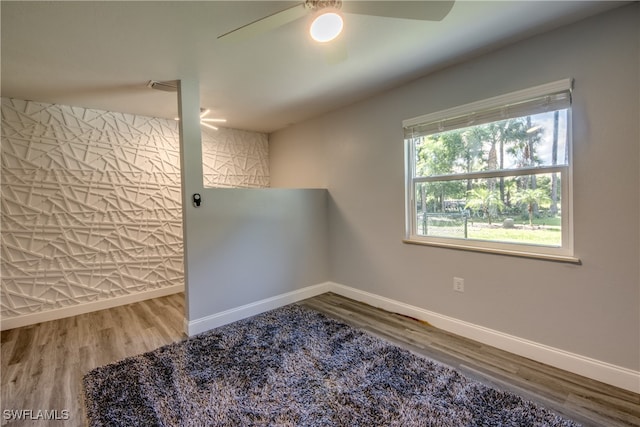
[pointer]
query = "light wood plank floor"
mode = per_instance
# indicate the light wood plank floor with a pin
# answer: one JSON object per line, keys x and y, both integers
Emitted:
{"x": 589, "y": 402}
{"x": 43, "y": 365}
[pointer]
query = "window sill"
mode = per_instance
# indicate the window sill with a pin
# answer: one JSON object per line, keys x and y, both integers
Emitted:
{"x": 531, "y": 255}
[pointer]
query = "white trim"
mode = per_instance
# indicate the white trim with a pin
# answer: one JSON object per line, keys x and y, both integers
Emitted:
{"x": 194, "y": 327}
{"x": 617, "y": 376}
{"x": 74, "y": 310}
{"x": 591, "y": 368}
{"x": 496, "y": 101}
{"x": 493, "y": 248}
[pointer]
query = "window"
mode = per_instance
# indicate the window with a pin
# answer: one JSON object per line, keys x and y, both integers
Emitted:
{"x": 494, "y": 175}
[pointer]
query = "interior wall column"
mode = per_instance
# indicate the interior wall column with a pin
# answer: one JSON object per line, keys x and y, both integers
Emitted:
{"x": 190, "y": 171}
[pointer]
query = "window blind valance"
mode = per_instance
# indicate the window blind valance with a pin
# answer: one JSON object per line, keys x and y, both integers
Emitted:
{"x": 540, "y": 99}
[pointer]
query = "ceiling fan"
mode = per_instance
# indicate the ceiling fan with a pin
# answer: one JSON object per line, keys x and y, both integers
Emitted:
{"x": 327, "y": 16}
{"x": 172, "y": 86}
{"x": 205, "y": 121}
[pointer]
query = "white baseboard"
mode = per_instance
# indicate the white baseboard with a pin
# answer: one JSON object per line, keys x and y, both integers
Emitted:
{"x": 60, "y": 313}
{"x": 203, "y": 324}
{"x": 591, "y": 368}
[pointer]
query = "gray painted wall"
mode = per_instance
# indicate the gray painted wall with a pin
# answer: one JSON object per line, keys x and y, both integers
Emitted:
{"x": 357, "y": 153}
{"x": 254, "y": 244}
{"x": 244, "y": 245}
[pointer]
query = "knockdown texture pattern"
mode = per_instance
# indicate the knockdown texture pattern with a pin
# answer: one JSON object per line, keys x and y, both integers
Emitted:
{"x": 91, "y": 201}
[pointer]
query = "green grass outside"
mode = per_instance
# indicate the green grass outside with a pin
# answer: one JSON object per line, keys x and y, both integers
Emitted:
{"x": 546, "y": 231}
{"x": 542, "y": 236}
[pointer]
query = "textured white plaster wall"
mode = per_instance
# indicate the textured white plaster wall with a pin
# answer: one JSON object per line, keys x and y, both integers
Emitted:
{"x": 233, "y": 158}
{"x": 91, "y": 204}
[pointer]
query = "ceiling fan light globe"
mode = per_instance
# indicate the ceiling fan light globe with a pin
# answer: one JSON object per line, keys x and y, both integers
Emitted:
{"x": 326, "y": 27}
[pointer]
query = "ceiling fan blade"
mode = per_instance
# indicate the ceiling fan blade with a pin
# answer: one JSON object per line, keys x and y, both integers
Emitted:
{"x": 420, "y": 10}
{"x": 265, "y": 24}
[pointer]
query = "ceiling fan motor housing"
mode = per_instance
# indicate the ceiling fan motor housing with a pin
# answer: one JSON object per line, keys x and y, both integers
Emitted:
{"x": 322, "y": 4}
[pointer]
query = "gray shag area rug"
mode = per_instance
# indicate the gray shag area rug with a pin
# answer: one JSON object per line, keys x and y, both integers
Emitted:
{"x": 296, "y": 367}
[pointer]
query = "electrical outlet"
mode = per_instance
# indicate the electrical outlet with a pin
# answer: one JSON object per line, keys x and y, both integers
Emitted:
{"x": 458, "y": 284}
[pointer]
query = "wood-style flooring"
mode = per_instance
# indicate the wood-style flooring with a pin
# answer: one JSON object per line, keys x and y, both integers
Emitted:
{"x": 589, "y": 402}
{"x": 43, "y": 365}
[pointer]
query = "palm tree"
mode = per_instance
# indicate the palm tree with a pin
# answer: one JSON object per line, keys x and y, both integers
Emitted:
{"x": 484, "y": 200}
{"x": 531, "y": 197}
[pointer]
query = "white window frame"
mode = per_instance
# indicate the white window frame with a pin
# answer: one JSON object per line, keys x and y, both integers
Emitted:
{"x": 564, "y": 253}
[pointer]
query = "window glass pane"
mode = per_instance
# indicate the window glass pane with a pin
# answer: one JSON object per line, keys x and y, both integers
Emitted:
{"x": 522, "y": 209}
{"x": 524, "y": 142}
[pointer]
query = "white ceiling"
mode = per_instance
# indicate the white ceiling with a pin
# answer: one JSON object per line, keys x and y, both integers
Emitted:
{"x": 101, "y": 54}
